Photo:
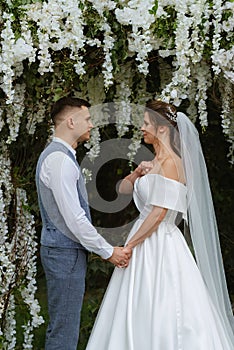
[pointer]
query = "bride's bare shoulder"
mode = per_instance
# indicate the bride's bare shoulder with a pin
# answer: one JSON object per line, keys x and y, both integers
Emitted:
{"x": 172, "y": 168}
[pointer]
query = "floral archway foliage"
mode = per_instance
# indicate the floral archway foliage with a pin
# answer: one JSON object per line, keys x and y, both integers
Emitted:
{"x": 102, "y": 51}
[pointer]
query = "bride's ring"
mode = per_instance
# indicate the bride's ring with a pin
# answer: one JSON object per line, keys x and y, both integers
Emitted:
{"x": 122, "y": 264}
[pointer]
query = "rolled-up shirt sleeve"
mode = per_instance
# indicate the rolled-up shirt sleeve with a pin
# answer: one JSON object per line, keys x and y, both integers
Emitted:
{"x": 60, "y": 174}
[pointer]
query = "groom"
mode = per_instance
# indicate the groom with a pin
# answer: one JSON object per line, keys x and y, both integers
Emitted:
{"x": 67, "y": 232}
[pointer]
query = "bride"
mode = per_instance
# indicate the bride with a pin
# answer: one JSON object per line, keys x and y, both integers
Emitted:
{"x": 168, "y": 298}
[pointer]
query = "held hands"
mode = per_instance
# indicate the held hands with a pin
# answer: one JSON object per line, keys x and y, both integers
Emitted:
{"x": 121, "y": 256}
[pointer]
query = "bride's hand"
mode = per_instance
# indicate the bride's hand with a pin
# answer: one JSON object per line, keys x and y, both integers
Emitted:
{"x": 121, "y": 256}
{"x": 145, "y": 167}
{"x": 128, "y": 252}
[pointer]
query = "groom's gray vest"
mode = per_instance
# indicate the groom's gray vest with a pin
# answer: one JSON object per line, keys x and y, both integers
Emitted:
{"x": 55, "y": 232}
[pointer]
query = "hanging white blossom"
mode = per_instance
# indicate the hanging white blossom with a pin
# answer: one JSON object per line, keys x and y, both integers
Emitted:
{"x": 21, "y": 247}
{"x": 137, "y": 14}
{"x": 203, "y": 77}
{"x": 6, "y": 58}
{"x": 100, "y": 6}
{"x": 15, "y": 112}
{"x": 227, "y": 115}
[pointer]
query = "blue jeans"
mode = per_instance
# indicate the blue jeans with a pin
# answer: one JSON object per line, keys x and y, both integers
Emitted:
{"x": 65, "y": 270}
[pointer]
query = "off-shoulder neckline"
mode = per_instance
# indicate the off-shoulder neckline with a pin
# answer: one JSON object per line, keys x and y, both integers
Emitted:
{"x": 164, "y": 177}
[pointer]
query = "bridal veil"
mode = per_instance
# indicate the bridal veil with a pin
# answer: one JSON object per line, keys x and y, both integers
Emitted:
{"x": 202, "y": 221}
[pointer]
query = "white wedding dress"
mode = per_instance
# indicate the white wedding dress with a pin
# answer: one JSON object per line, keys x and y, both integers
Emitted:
{"x": 159, "y": 302}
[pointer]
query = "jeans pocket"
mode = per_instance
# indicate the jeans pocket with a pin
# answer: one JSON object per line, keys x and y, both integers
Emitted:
{"x": 81, "y": 261}
{"x": 59, "y": 262}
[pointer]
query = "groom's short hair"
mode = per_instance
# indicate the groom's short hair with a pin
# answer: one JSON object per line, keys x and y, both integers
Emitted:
{"x": 63, "y": 103}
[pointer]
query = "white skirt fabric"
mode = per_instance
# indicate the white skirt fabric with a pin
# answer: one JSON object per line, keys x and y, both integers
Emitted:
{"x": 159, "y": 302}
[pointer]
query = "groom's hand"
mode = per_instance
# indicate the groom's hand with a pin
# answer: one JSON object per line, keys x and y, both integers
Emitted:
{"x": 121, "y": 256}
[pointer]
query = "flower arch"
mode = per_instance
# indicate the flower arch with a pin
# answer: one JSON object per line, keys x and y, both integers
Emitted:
{"x": 102, "y": 51}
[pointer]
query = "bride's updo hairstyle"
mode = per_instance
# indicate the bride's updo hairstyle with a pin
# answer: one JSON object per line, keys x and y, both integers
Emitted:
{"x": 165, "y": 114}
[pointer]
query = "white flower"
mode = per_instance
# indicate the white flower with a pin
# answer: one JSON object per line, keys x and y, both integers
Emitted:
{"x": 7, "y": 58}
{"x": 87, "y": 174}
{"x": 173, "y": 93}
{"x": 100, "y": 6}
{"x": 107, "y": 65}
{"x": 167, "y": 53}
{"x": 15, "y": 112}
{"x": 22, "y": 50}
{"x": 137, "y": 14}
{"x": 94, "y": 144}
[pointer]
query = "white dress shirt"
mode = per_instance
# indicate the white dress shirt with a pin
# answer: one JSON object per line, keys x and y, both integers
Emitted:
{"x": 60, "y": 174}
